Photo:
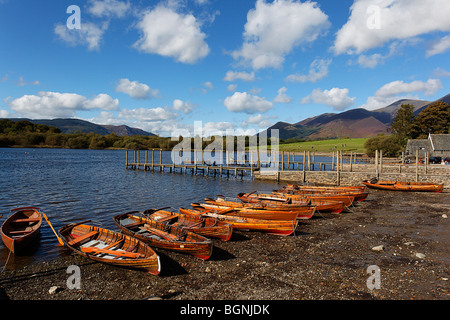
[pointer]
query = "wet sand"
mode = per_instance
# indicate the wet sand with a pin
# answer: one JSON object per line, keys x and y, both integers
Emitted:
{"x": 326, "y": 259}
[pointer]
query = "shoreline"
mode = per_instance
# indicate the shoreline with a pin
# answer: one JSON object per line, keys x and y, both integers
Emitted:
{"x": 326, "y": 259}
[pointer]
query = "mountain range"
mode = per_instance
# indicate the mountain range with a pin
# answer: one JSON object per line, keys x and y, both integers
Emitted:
{"x": 77, "y": 125}
{"x": 355, "y": 123}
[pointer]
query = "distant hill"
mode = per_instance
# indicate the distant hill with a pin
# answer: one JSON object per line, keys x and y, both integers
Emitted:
{"x": 355, "y": 123}
{"x": 77, "y": 125}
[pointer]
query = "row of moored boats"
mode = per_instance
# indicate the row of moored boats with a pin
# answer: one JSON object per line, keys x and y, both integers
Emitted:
{"x": 184, "y": 230}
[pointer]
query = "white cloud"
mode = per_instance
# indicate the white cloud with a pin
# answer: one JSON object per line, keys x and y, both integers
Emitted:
{"x": 184, "y": 106}
{"x": 399, "y": 87}
{"x": 317, "y": 71}
{"x": 244, "y": 102}
{"x": 396, "y": 90}
{"x": 108, "y": 8}
{"x": 21, "y": 82}
{"x": 171, "y": 34}
{"x": 441, "y": 73}
{"x": 439, "y": 47}
{"x": 4, "y": 114}
{"x": 232, "y": 87}
{"x": 370, "y": 61}
{"x": 147, "y": 114}
{"x": 90, "y": 34}
{"x": 274, "y": 29}
{"x": 398, "y": 19}
{"x": 282, "y": 97}
{"x": 259, "y": 120}
{"x": 336, "y": 98}
{"x": 235, "y": 75}
{"x": 55, "y": 105}
{"x": 136, "y": 90}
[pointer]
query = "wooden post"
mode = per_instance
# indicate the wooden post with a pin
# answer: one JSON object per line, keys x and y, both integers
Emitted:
{"x": 332, "y": 161}
{"x": 160, "y": 156}
{"x": 304, "y": 164}
{"x": 376, "y": 163}
{"x": 153, "y": 159}
{"x": 351, "y": 161}
{"x": 338, "y": 168}
{"x": 126, "y": 159}
{"x": 426, "y": 162}
{"x": 381, "y": 161}
{"x": 417, "y": 165}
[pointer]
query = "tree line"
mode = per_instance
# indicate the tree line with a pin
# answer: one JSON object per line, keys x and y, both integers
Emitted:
{"x": 435, "y": 119}
{"x": 26, "y": 134}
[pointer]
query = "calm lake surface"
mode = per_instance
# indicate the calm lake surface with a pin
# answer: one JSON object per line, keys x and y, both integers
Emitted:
{"x": 77, "y": 185}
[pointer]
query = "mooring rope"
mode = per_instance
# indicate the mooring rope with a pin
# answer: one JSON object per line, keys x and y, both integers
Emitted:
{"x": 4, "y": 267}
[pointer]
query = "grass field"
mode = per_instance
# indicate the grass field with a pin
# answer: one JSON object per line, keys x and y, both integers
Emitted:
{"x": 346, "y": 145}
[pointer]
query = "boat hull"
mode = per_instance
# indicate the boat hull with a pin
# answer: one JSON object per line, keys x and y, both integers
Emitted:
{"x": 21, "y": 229}
{"x": 182, "y": 241}
{"x": 405, "y": 186}
{"x": 204, "y": 226}
{"x": 281, "y": 228}
{"x": 114, "y": 248}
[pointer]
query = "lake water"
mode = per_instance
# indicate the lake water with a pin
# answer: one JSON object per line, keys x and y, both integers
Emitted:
{"x": 76, "y": 185}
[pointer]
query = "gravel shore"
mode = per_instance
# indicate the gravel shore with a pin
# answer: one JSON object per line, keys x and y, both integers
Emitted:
{"x": 406, "y": 235}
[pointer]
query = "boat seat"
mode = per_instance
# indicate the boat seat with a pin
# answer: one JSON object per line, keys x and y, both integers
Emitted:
{"x": 20, "y": 232}
{"x": 83, "y": 237}
{"x": 27, "y": 220}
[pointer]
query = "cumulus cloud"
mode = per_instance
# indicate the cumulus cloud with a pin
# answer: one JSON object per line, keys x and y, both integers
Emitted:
{"x": 336, "y": 98}
{"x": 147, "y": 114}
{"x": 396, "y": 90}
{"x": 373, "y": 23}
{"x": 108, "y": 8}
{"x": 317, "y": 71}
{"x": 244, "y": 102}
{"x": 171, "y": 34}
{"x": 261, "y": 121}
{"x": 274, "y": 29}
{"x": 439, "y": 46}
{"x": 90, "y": 34}
{"x": 56, "y": 105}
{"x": 136, "y": 90}
{"x": 184, "y": 106}
{"x": 282, "y": 97}
{"x": 239, "y": 75}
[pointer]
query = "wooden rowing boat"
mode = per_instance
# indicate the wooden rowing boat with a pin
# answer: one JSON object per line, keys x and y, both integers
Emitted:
{"x": 247, "y": 197}
{"x": 204, "y": 226}
{"x": 255, "y": 213}
{"x": 163, "y": 236}
{"x": 404, "y": 186}
{"x": 304, "y": 210}
{"x": 21, "y": 228}
{"x": 110, "y": 247}
{"x": 331, "y": 188}
{"x": 359, "y": 196}
{"x": 275, "y": 227}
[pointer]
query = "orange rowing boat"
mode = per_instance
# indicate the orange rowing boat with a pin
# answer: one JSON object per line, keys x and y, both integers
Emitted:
{"x": 404, "y": 186}
{"x": 275, "y": 227}
{"x": 21, "y": 228}
{"x": 110, "y": 247}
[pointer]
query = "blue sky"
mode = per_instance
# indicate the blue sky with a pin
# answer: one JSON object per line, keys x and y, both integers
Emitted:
{"x": 238, "y": 65}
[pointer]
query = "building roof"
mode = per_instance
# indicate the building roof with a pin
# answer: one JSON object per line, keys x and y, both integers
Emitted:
{"x": 440, "y": 142}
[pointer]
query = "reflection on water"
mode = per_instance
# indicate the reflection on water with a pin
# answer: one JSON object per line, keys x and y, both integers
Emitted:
{"x": 77, "y": 185}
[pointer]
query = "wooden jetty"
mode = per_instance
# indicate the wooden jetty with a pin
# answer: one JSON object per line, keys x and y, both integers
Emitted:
{"x": 227, "y": 164}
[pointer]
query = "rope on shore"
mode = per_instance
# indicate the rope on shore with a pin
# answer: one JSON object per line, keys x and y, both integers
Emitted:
{"x": 4, "y": 267}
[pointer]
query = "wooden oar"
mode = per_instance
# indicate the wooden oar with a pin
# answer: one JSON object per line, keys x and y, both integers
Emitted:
{"x": 61, "y": 243}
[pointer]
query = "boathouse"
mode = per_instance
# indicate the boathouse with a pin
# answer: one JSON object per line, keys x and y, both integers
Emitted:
{"x": 437, "y": 145}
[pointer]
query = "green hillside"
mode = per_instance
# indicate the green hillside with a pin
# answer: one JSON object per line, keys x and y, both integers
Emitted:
{"x": 346, "y": 145}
